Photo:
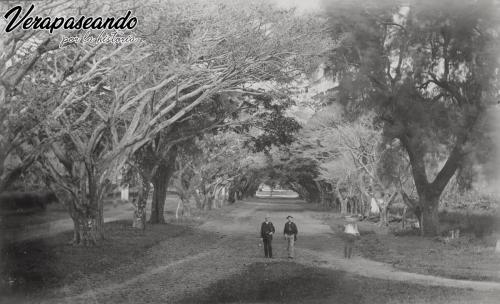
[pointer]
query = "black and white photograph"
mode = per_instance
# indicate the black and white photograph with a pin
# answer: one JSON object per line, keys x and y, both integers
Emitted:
{"x": 249, "y": 151}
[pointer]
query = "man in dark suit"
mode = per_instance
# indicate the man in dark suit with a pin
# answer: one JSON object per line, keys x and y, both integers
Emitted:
{"x": 266, "y": 233}
{"x": 290, "y": 233}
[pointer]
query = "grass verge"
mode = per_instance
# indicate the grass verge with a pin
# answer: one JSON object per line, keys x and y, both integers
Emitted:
{"x": 467, "y": 258}
{"x": 39, "y": 266}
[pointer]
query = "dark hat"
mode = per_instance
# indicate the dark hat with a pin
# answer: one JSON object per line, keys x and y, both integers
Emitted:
{"x": 289, "y": 217}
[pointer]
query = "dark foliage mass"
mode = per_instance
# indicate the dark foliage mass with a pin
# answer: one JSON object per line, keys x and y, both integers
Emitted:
{"x": 278, "y": 130}
{"x": 276, "y": 127}
{"x": 25, "y": 202}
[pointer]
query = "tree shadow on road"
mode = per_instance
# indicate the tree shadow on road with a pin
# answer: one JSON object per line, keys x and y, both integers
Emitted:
{"x": 289, "y": 282}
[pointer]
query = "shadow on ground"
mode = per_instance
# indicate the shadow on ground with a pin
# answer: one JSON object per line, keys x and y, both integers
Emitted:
{"x": 37, "y": 266}
{"x": 288, "y": 282}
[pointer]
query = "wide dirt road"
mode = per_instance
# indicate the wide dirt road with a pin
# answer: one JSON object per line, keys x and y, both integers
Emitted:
{"x": 233, "y": 270}
{"x": 319, "y": 242}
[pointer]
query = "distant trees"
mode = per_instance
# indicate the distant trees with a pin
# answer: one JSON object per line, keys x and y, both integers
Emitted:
{"x": 208, "y": 170}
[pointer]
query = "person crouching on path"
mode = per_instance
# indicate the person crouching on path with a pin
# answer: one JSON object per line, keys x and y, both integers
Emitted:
{"x": 290, "y": 233}
{"x": 350, "y": 235}
{"x": 266, "y": 233}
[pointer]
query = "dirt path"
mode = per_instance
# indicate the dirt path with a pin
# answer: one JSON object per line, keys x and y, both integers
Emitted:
{"x": 239, "y": 247}
{"x": 93, "y": 293}
{"x": 318, "y": 244}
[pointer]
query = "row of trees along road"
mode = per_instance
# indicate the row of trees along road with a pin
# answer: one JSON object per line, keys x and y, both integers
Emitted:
{"x": 83, "y": 113}
{"x": 413, "y": 82}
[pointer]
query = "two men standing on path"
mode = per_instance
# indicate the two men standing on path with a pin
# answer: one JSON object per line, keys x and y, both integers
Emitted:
{"x": 290, "y": 232}
{"x": 266, "y": 233}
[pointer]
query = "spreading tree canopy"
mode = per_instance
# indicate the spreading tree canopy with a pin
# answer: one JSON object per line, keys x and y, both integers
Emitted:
{"x": 429, "y": 69}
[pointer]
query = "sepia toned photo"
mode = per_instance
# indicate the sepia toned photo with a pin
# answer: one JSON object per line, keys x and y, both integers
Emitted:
{"x": 250, "y": 151}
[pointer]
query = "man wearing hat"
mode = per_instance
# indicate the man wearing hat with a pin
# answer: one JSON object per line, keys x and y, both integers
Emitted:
{"x": 266, "y": 233}
{"x": 290, "y": 233}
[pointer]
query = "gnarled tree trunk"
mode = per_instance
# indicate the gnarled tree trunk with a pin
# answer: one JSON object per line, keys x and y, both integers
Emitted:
{"x": 88, "y": 219}
{"x": 429, "y": 192}
{"x": 140, "y": 202}
{"x": 429, "y": 222}
{"x": 159, "y": 196}
{"x": 161, "y": 180}
{"x": 160, "y": 187}
{"x": 87, "y": 231}
{"x": 84, "y": 201}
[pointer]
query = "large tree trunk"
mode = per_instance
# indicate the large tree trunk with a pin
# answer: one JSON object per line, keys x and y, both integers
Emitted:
{"x": 159, "y": 196}
{"x": 429, "y": 193}
{"x": 160, "y": 187}
{"x": 161, "y": 180}
{"x": 88, "y": 222}
{"x": 86, "y": 230}
{"x": 429, "y": 223}
{"x": 139, "y": 219}
{"x": 87, "y": 210}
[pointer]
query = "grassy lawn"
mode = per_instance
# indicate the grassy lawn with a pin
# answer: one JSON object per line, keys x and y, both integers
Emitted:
{"x": 288, "y": 282}
{"x": 469, "y": 257}
{"x": 38, "y": 267}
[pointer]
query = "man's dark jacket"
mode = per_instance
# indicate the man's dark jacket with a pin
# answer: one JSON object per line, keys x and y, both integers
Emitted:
{"x": 290, "y": 228}
{"x": 265, "y": 229}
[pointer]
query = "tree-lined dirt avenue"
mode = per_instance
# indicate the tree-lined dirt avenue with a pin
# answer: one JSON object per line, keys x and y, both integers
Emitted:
{"x": 239, "y": 246}
{"x": 138, "y": 165}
